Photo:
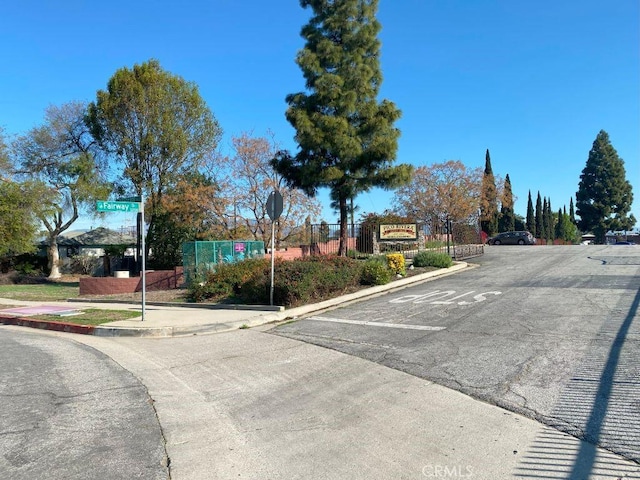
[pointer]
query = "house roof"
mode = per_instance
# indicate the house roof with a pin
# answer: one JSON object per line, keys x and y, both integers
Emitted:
{"x": 104, "y": 236}
{"x": 98, "y": 237}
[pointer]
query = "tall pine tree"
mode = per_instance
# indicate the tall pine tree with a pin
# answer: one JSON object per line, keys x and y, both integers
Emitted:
{"x": 539, "y": 223}
{"x": 604, "y": 196}
{"x": 545, "y": 219}
{"x": 489, "y": 199}
{"x": 549, "y": 230}
{"x": 572, "y": 213}
{"x": 531, "y": 219}
{"x": 507, "y": 221}
{"x": 560, "y": 226}
{"x": 346, "y": 138}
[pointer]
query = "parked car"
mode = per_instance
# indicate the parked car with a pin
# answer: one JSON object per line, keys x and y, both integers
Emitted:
{"x": 512, "y": 238}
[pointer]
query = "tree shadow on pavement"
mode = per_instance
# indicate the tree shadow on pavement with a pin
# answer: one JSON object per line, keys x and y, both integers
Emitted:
{"x": 601, "y": 406}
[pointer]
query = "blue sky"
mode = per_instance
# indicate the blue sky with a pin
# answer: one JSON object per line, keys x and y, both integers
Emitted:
{"x": 533, "y": 82}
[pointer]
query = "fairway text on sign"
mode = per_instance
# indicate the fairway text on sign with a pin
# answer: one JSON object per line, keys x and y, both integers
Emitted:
{"x": 125, "y": 207}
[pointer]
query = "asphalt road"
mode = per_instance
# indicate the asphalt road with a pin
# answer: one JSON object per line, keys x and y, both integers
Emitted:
{"x": 70, "y": 412}
{"x": 552, "y": 333}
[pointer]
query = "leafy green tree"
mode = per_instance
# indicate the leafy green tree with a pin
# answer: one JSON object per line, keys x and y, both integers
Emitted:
{"x": 59, "y": 156}
{"x": 489, "y": 200}
{"x": 571, "y": 233}
{"x": 18, "y": 224}
{"x": 346, "y": 138}
{"x": 507, "y": 221}
{"x": 604, "y": 196}
{"x": 531, "y": 219}
{"x": 539, "y": 222}
{"x": 157, "y": 127}
{"x": 5, "y": 162}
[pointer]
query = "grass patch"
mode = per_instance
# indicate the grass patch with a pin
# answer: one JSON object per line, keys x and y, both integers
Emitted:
{"x": 91, "y": 316}
{"x": 48, "y": 292}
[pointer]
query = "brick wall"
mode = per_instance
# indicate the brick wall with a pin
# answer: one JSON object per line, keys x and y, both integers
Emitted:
{"x": 288, "y": 254}
{"x": 155, "y": 280}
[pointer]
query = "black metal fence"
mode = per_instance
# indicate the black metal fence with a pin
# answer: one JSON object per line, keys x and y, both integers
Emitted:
{"x": 458, "y": 240}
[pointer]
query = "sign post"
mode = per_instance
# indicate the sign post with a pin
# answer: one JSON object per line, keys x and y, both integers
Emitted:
{"x": 143, "y": 253}
{"x": 130, "y": 205}
{"x": 274, "y": 206}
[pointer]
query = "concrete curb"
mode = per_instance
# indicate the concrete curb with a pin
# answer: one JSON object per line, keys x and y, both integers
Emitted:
{"x": 276, "y": 314}
{"x": 48, "y": 325}
{"x": 205, "y": 306}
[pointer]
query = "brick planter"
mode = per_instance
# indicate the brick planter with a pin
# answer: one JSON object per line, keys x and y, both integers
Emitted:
{"x": 156, "y": 280}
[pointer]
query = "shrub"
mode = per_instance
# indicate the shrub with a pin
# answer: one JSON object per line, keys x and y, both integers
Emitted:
{"x": 396, "y": 263}
{"x": 296, "y": 282}
{"x": 435, "y": 244}
{"x": 432, "y": 259}
{"x": 376, "y": 271}
{"x": 227, "y": 279}
{"x": 302, "y": 280}
{"x": 30, "y": 264}
{"x": 84, "y": 264}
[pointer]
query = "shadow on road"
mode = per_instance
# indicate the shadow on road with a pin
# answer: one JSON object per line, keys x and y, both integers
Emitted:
{"x": 601, "y": 404}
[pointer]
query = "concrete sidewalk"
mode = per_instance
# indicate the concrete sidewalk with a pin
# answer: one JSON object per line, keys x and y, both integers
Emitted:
{"x": 257, "y": 405}
{"x": 170, "y": 319}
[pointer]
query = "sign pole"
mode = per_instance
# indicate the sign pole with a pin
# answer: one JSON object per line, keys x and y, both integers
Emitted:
{"x": 143, "y": 274}
{"x": 274, "y": 210}
{"x": 273, "y": 256}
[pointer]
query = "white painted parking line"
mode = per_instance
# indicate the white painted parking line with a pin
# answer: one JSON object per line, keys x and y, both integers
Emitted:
{"x": 377, "y": 324}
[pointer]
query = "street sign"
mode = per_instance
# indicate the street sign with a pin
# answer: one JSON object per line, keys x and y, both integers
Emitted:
{"x": 274, "y": 205}
{"x": 130, "y": 199}
{"x": 124, "y": 207}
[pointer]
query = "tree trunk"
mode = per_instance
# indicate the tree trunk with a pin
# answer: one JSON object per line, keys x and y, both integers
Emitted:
{"x": 54, "y": 259}
{"x": 344, "y": 220}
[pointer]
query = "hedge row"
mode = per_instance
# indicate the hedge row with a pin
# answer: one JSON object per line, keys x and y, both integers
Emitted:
{"x": 298, "y": 282}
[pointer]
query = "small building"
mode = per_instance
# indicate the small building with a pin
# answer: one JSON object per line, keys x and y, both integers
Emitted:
{"x": 86, "y": 251}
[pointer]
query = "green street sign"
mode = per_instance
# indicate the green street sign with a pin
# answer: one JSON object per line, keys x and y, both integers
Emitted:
{"x": 130, "y": 199}
{"x": 123, "y": 207}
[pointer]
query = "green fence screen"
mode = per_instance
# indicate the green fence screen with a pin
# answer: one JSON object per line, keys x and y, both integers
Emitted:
{"x": 201, "y": 257}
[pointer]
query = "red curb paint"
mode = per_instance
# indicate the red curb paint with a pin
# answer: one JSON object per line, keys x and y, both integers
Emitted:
{"x": 48, "y": 325}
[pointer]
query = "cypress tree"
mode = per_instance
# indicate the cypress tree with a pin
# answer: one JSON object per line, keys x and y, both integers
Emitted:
{"x": 560, "y": 230}
{"x": 531, "y": 219}
{"x": 545, "y": 220}
{"x": 507, "y": 215}
{"x": 489, "y": 199}
{"x": 549, "y": 229}
{"x": 539, "y": 223}
{"x": 572, "y": 213}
